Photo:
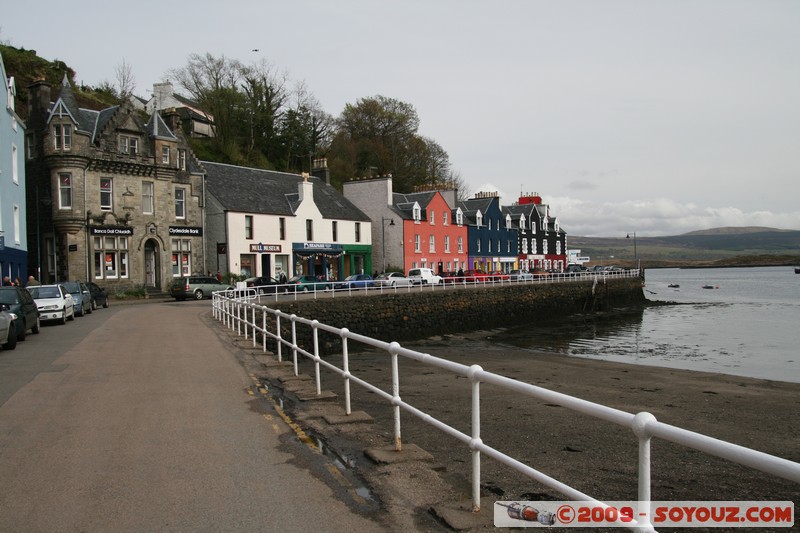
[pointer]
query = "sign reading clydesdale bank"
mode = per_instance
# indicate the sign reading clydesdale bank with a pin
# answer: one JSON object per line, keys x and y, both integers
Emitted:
{"x": 191, "y": 231}
{"x": 111, "y": 230}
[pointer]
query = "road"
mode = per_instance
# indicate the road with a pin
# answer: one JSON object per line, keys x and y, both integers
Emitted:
{"x": 139, "y": 418}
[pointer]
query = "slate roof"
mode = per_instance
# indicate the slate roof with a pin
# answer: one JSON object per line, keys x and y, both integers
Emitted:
{"x": 252, "y": 190}
{"x": 403, "y": 204}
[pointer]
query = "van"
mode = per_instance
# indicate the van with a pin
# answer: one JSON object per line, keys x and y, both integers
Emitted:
{"x": 424, "y": 276}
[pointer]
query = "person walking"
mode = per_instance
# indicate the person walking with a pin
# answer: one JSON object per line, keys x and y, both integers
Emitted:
{"x": 33, "y": 282}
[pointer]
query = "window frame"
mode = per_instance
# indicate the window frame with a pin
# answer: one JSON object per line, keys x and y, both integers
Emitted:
{"x": 62, "y": 189}
{"x": 151, "y": 196}
{"x": 248, "y": 227}
{"x": 180, "y": 203}
{"x": 106, "y": 194}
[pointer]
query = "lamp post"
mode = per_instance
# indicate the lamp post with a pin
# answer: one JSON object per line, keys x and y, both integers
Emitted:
{"x": 383, "y": 237}
{"x": 635, "y": 253}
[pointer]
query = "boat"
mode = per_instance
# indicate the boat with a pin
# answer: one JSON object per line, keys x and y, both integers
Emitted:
{"x": 673, "y": 285}
{"x": 797, "y": 270}
{"x": 711, "y": 286}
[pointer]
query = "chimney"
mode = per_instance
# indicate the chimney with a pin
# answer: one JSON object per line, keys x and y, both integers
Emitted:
{"x": 306, "y": 189}
{"x": 38, "y": 103}
{"x": 161, "y": 91}
{"x": 319, "y": 169}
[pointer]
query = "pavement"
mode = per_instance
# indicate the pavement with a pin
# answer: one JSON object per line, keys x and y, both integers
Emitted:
{"x": 153, "y": 422}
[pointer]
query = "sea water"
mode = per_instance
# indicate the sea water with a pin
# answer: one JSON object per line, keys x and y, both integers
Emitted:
{"x": 746, "y": 324}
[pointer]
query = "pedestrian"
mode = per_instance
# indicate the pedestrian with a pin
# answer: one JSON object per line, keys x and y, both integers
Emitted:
{"x": 32, "y": 281}
{"x": 7, "y": 281}
{"x": 219, "y": 276}
{"x": 18, "y": 282}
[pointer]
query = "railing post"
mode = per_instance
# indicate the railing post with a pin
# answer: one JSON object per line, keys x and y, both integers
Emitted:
{"x": 639, "y": 427}
{"x": 398, "y": 440}
{"x": 278, "y": 333}
{"x": 255, "y": 341}
{"x": 264, "y": 328}
{"x": 294, "y": 343}
{"x": 346, "y": 370}
{"x": 238, "y": 317}
{"x": 474, "y": 372}
{"x": 315, "y": 332}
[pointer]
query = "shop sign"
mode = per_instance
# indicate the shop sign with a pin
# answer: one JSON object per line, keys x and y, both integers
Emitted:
{"x": 191, "y": 231}
{"x": 111, "y": 230}
{"x": 265, "y": 248}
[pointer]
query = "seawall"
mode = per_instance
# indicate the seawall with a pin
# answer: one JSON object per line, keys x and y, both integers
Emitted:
{"x": 404, "y": 316}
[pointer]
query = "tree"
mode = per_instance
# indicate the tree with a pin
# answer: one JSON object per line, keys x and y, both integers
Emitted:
{"x": 125, "y": 80}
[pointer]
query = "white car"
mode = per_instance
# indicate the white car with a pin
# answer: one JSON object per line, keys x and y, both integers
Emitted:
{"x": 392, "y": 279}
{"x": 424, "y": 276}
{"x": 54, "y": 303}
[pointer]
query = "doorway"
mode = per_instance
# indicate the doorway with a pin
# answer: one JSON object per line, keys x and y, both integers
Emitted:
{"x": 152, "y": 276}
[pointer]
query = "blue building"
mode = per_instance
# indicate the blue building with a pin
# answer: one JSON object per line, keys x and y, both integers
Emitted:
{"x": 13, "y": 232}
{"x": 492, "y": 238}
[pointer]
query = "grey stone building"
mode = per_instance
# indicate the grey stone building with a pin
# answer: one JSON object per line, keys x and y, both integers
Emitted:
{"x": 114, "y": 196}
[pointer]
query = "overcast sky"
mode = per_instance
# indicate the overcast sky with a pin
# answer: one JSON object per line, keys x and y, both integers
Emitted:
{"x": 624, "y": 115}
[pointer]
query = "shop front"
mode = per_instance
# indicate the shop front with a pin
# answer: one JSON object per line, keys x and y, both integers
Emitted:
{"x": 321, "y": 260}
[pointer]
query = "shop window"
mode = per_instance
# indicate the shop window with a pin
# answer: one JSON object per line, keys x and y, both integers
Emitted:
{"x": 181, "y": 257}
{"x": 110, "y": 257}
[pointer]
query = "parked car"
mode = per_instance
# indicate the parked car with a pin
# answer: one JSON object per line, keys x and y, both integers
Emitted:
{"x": 520, "y": 275}
{"x": 475, "y": 276}
{"x": 8, "y": 330}
{"x": 82, "y": 296}
{"x": 304, "y": 283}
{"x": 540, "y": 272}
{"x": 424, "y": 276}
{"x": 99, "y": 295}
{"x": 21, "y": 304}
{"x": 355, "y": 281}
{"x": 392, "y": 279}
{"x": 264, "y": 284}
{"x": 54, "y": 302}
{"x": 197, "y": 287}
{"x": 499, "y": 276}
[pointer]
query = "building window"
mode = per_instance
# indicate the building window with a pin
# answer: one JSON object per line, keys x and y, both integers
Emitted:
{"x": 358, "y": 231}
{"x": 417, "y": 213}
{"x": 14, "y": 164}
{"x": 248, "y": 227}
{"x": 128, "y": 145}
{"x": 65, "y": 191}
{"x": 432, "y": 244}
{"x": 181, "y": 257}
{"x": 282, "y": 228}
{"x": 309, "y": 230}
{"x": 62, "y": 135}
{"x": 524, "y": 246}
{"x": 478, "y": 219}
{"x": 105, "y": 194}
{"x": 447, "y": 244}
{"x": 490, "y": 246}
{"x": 335, "y": 230}
{"x": 461, "y": 245}
{"x": 50, "y": 252}
{"x": 444, "y": 218}
{"x": 417, "y": 243}
{"x": 180, "y": 203}
{"x": 182, "y": 159}
{"x": 29, "y": 146}
{"x": 508, "y": 246}
{"x": 459, "y": 217}
{"x": 148, "y": 203}
{"x": 478, "y": 246}
{"x": 16, "y": 225}
{"x": 432, "y": 217}
{"x": 110, "y": 257}
{"x": 165, "y": 155}
{"x": 545, "y": 247}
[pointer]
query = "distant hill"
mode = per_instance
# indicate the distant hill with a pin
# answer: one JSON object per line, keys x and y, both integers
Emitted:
{"x": 718, "y": 246}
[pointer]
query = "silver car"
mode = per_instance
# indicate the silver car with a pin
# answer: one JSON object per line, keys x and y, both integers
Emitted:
{"x": 82, "y": 296}
{"x": 392, "y": 279}
{"x": 8, "y": 331}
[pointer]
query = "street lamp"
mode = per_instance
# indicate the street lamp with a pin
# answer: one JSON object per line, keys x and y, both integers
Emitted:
{"x": 635, "y": 253}
{"x": 383, "y": 237}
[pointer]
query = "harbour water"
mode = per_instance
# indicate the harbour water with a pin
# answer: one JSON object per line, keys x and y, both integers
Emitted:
{"x": 747, "y": 324}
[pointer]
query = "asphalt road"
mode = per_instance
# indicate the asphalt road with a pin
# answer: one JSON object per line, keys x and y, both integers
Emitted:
{"x": 139, "y": 418}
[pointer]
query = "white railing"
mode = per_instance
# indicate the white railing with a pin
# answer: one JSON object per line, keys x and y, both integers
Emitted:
{"x": 332, "y": 289}
{"x": 242, "y": 315}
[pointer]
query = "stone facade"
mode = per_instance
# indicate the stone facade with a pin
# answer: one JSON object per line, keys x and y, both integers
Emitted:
{"x": 115, "y": 196}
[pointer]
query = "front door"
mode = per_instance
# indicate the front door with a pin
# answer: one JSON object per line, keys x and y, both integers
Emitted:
{"x": 150, "y": 264}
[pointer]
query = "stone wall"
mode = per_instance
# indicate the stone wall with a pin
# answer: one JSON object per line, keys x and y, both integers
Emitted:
{"x": 404, "y": 316}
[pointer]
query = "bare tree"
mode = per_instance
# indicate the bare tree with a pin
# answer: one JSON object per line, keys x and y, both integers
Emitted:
{"x": 125, "y": 80}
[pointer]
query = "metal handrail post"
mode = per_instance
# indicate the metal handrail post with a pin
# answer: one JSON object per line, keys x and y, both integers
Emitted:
{"x": 398, "y": 440}
{"x": 264, "y": 328}
{"x": 476, "y": 437}
{"x": 315, "y": 331}
{"x": 278, "y": 333}
{"x": 639, "y": 426}
{"x": 346, "y": 370}
{"x": 293, "y": 318}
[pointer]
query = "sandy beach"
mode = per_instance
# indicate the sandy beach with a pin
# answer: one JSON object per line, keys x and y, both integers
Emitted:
{"x": 595, "y": 457}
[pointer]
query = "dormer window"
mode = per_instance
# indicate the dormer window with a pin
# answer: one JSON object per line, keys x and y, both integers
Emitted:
{"x": 479, "y": 219}
{"x": 182, "y": 159}
{"x": 128, "y": 145}
{"x": 165, "y": 155}
{"x": 62, "y": 135}
{"x": 508, "y": 221}
{"x": 417, "y": 213}
{"x": 459, "y": 217}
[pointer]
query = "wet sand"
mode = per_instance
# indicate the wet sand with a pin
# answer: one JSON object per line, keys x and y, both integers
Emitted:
{"x": 595, "y": 457}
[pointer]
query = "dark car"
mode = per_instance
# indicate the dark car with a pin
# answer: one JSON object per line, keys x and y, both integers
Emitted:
{"x": 82, "y": 296}
{"x": 197, "y": 287}
{"x": 355, "y": 281}
{"x": 20, "y": 302}
{"x": 264, "y": 284}
{"x": 305, "y": 283}
{"x": 99, "y": 295}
